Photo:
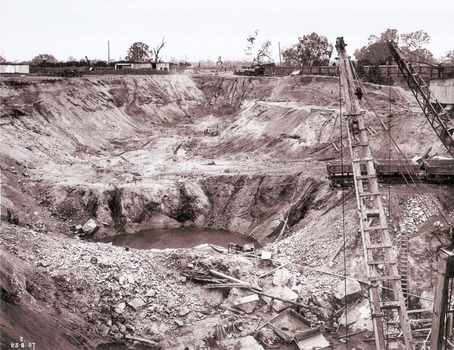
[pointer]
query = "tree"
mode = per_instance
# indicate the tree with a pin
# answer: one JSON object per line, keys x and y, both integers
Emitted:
{"x": 388, "y": 34}
{"x": 2, "y": 59}
{"x": 157, "y": 50}
{"x": 99, "y": 63}
{"x": 250, "y": 46}
{"x": 449, "y": 57}
{"x": 413, "y": 45}
{"x": 138, "y": 52}
{"x": 264, "y": 52}
{"x": 43, "y": 60}
{"x": 374, "y": 53}
{"x": 415, "y": 40}
{"x": 311, "y": 50}
{"x": 290, "y": 56}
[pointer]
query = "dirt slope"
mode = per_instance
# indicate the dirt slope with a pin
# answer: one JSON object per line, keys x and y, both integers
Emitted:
{"x": 225, "y": 152}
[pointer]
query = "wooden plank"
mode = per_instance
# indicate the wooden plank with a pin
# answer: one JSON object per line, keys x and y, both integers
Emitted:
{"x": 226, "y": 285}
{"x": 143, "y": 340}
{"x": 337, "y": 252}
{"x": 233, "y": 279}
{"x": 441, "y": 296}
{"x": 282, "y": 299}
{"x": 230, "y": 278}
{"x": 270, "y": 272}
{"x": 419, "y": 310}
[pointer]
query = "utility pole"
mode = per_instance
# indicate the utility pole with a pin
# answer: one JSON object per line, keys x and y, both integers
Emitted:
{"x": 280, "y": 57}
{"x": 108, "y": 52}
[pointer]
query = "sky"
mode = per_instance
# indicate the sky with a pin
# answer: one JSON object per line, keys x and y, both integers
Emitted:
{"x": 196, "y": 30}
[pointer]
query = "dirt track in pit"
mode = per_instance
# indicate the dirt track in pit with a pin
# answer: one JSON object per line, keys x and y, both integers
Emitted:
{"x": 224, "y": 152}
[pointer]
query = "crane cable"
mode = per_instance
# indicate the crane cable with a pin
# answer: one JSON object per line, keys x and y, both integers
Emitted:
{"x": 344, "y": 236}
{"x": 424, "y": 206}
{"x": 396, "y": 146}
{"x": 359, "y": 82}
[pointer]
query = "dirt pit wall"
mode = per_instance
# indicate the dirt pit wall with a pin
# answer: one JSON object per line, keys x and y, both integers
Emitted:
{"x": 256, "y": 206}
{"x": 142, "y": 150}
{"x": 145, "y": 150}
{"x": 216, "y": 151}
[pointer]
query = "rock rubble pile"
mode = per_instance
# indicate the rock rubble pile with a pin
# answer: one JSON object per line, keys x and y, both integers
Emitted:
{"x": 135, "y": 294}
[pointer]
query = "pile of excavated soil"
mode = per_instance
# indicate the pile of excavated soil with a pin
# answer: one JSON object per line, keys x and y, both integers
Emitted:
{"x": 237, "y": 153}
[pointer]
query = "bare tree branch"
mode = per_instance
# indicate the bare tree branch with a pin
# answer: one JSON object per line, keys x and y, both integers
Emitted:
{"x": 157, "y": 50}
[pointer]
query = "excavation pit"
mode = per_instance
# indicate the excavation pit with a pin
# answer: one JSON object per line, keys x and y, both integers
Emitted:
{"x": 241, "y": 154}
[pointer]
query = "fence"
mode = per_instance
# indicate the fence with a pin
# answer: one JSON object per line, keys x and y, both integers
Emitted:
{"x": 313, "y": 70}
{"x": 425, "y": 71}
{"x": 79, "y": 71}
{"x": 384, "y": 71}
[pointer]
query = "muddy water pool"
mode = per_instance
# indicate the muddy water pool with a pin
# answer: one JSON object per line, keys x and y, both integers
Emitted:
{"x": 183, "y": 237}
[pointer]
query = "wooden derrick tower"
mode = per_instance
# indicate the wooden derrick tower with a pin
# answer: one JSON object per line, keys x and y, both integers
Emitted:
{"x": 381, "y": 263}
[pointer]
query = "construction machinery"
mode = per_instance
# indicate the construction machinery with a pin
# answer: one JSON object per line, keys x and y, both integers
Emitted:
{"x": 256, "y": 70}
{"x": 443, "y": 311}
{"x": 432, "y": 109}
{"x": 381, "y": 262}
{"x": 401, "y": 170}
{"x": 439, "y": 119}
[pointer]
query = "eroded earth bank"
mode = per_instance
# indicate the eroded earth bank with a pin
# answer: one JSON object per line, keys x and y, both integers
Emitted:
{"x": 241, "y": 154}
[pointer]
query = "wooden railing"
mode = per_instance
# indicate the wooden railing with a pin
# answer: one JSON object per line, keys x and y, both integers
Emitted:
{"x": 385, "y": 71}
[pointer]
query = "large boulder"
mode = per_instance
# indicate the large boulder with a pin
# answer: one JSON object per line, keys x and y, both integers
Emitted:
{"x": 247, "y": 303}
{"x": 90, "y": 227}
{"x": 211, "y": 297}
{"x": 241, "y": 299}
{"x": 358, "y": 318}
{"x": 247, "y": 342}
{"x": 282, "y": 292}
{"x": 240, "y": 267}
{"x": 282, "y": 277}
{"x": 347, "y": 292}
{"x": 426, "y": 299}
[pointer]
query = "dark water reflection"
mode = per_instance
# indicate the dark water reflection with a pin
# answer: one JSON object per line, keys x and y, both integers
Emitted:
{"x": 183, "y": 237}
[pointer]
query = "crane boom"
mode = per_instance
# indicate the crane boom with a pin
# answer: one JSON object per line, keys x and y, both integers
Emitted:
{"x": 439, "y": 120}
{"x": 381, "y": 264}
{"x": 432, "y": 109}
